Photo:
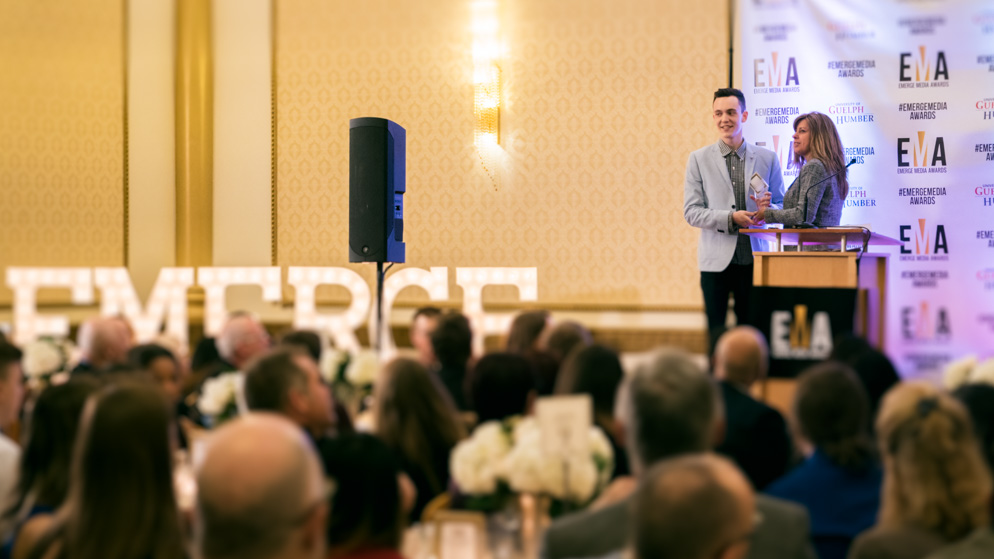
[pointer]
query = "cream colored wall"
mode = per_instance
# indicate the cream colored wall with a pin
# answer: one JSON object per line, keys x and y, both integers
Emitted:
{"x": 61, "y": 134}
{"x": 602, "y": 102}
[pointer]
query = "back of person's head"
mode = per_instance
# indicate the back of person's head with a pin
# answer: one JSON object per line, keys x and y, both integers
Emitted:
{"x": 307, "y": 340}
{"x": 415, "y": 416}
{"x": 50, "y": 434}
{"x": 830, "y": 410}
{"x": 261, "y": 492}
{"x": 668, "y": 407}
{"x": 161, "y": 364}
{"x": 366, "y": 509}
{"x": 423, "y": 323}
{"x": 565, "y": 337}
{"x": 979, "y": 402}
{"x": 698, "y": 506}
{"x": 11, "y": 383}
{"x": 501, "y": 386}
{"x": 452, "y": 340}
{"x": 526, "y": 329}
{"x": 731, "y": 92}
{"x": 874, "y": 369}
{"x": 934, "y": 475}
{"x": 286, "y": 381}
{"x": 121, "y": 478}
{"x": 594, "y": 370}
{"x": 741, "y": 356}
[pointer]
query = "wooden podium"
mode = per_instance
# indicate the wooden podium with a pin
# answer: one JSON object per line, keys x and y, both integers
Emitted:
{"x": 828, "y": 265}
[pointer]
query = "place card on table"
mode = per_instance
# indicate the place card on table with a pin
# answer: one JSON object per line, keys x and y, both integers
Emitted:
{"x": 564, "y": 422}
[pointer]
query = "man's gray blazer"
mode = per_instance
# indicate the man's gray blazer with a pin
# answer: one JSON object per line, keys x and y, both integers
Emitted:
{"x": 708, "y": 200}
{"x": 782, "y": 534}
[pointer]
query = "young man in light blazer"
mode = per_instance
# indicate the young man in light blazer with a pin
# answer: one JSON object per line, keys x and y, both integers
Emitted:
{"x": 716, "y": 199}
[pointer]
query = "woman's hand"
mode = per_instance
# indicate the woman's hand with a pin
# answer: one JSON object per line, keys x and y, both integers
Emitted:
{"x": 763, "y": 201}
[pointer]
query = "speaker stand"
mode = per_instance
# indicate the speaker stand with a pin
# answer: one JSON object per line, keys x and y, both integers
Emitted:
{"x": 377, "y": 343}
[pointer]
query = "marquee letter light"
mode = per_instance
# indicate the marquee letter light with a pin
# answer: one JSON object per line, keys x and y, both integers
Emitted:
{"x": 435, "y": 282}
{"x": 168, "y": 298}
{"x": 341, "y": 326}
{"x": 472, "y": 281}
{"x": 215, "y": 282}
{"x": 25, "y": 282}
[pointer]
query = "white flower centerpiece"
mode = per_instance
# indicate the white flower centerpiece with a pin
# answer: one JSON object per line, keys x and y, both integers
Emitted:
{"x": 501, "y": 459}
{"x": 219, "y": 397}
{"x": 47, "y": 361}
{"x": 351, "y": 376}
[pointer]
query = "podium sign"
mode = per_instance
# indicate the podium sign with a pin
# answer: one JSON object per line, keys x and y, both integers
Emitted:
{"x": 801, "y": 324}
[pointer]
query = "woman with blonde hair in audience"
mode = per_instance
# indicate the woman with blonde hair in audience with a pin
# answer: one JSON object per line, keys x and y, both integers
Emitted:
{"x": 415, "y": 417}
{"x": 937, "y": 487}
{"x": 121, "y": 503}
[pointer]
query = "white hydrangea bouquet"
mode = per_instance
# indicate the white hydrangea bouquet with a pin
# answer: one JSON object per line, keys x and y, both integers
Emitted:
{"x": 351, "y": 376}
{"x": 504, "y": 458}
{"x": 968, "y": 370}
{"x": 47, "y": 361}
{"x": 219, "y": 397}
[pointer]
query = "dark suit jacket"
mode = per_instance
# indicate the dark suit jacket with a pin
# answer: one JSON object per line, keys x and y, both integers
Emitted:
{"x": 756, "y": 437}
{"x": 782, "y": 534}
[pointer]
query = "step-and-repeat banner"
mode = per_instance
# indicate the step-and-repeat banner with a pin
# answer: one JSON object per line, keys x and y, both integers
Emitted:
{"x": 910, "y": 86}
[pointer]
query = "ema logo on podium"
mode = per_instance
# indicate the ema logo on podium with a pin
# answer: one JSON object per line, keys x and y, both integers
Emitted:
{"x": 793, "y": 336}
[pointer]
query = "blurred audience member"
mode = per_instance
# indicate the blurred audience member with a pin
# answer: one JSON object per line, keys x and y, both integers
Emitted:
{"x": 242, "y": 338}
{"x": 261, "y": 493}
{"x": 756, "y": 436}
{"x": 979, "y": 402}
{"x": 103, "y": 341}
{"x": 120, "y": 503}
{"x": 873, "y": 368}
{"x": 162, "y": 365}
{"x": 565, "y": 337}
{"x": 11, "y": 396}
{"x": 307, "y": 340}
{"x": 287, "y": 381}
{"x": 937, "y": 487}
{"x": 371, "y": 501}
{"x": 526, "y": 330}
{"x": 670, "y": 407}
{"x": 452, "y": 341}
{"x": 697, "y": 506}
{"x": 417, "y": 420}
{"x": 502, "y": 385}
{"x": 839, "y": 481}
{"x": 422, "y": 325}
{"x": 596, "y": 370}
{"x": 43, "y": 479}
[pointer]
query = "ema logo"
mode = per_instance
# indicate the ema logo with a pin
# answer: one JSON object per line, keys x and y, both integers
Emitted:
{"x": 785, "y": 154}
{"x": 776, "y": 74}
{"x": 920, "y": 152}
{"x": 924, "y": 324}
{"x": 923, "y": 66}
{"x": 927, "y": 246}
{"x": 793, "y": 336}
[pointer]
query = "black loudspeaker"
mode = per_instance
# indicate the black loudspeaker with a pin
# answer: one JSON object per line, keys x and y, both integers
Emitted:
{"x": 377, "y": 182}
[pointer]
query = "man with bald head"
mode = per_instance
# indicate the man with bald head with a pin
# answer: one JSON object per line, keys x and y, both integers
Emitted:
{"x": 242, "y": 338}
{"x": 261, "y": 493}
{"x": 696, "y": 506}
{"x": 756, "y": 437}
{"x": 103, "y": 341}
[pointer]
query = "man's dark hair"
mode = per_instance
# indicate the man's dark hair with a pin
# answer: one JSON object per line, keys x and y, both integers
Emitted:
{"x": 142, "y": 356}
{"x": 500, "y": 386}
{"x": 269, "y": 379}
{"x": 452, "y": 340}
{"x": 9, "y": 354}
{"x": 307, "y": 340}
{"x": 427, "y": 312}
{"x": 731, "y": 92}
{"x": 670, "y": 408}
{"x": 832, "y": 408}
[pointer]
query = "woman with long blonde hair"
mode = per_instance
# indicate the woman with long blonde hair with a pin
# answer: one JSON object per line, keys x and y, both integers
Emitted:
{"x": 937, "y": 487}
{"x": 819, "y": 192}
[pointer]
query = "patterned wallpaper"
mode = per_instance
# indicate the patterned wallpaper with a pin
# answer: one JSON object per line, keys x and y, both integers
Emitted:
{"x": 602, "y": 102}
{"x": 61, "y": 134}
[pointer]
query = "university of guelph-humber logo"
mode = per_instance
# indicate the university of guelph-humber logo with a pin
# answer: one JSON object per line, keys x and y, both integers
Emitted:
{"x": 776, "y": 73}
{"x": 794, "y": 336}
{"x": 923, "y": 243}
{"x": 923, "y": 69}
{"x": 928, "y": 155}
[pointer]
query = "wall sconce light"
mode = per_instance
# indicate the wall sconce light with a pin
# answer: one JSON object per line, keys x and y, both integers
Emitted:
{"x": 486, "y": 84}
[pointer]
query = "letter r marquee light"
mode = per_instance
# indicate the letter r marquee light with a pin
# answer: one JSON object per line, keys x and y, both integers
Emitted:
{"x": 168, "y": 299}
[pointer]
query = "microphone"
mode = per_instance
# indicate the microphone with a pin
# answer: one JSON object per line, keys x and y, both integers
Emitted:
{"x": 805, "y": 224}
